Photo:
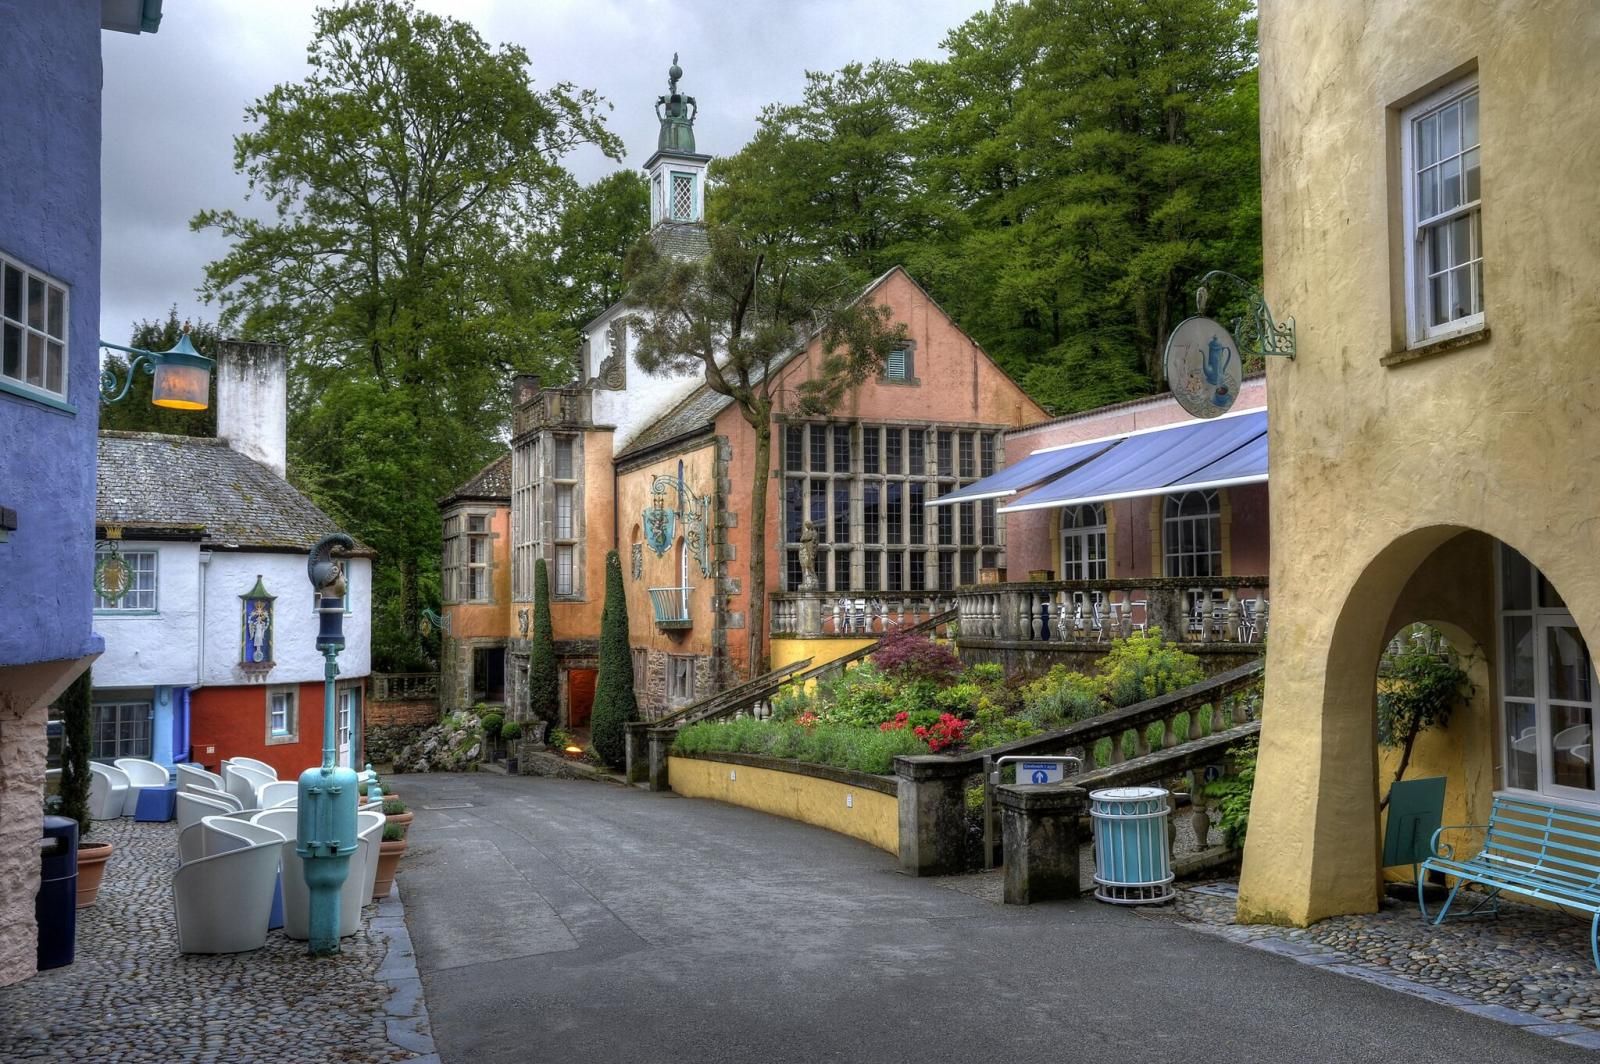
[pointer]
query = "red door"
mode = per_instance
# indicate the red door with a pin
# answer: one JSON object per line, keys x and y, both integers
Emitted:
{"x": 580, "y": 697}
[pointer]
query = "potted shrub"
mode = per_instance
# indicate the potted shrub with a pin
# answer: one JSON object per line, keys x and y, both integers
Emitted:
{"x": 390, "y": 851}
{"x": 388, "y": 791}
{"x": 493, "y": 732}
{"x": 511, "y": 731}
{"x": 77, "y": 735}
{"x": 396, "y": 815}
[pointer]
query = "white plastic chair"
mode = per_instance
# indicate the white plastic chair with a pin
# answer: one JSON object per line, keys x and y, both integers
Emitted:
{"x": 196, "y": 776}
{"x": 108, "y": 791}
{"x": 369, "y": 826}
{"x": 142, "y": 775}
{"x": 244, "y": 783}
{"x": 251, "y": 763}
{"x": 223, "y": 900}
{"x": 194, "y": 807}
{"x": 363, "y": 871}
{"x": 279, "y": 792}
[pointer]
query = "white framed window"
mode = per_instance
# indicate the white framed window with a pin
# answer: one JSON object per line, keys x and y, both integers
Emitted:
{"x": 565, "y": 583}
{"x": 121, "y": 729}
{"x": 899, "y": 365}
{"x": 141, "y": 594}
{"x": 283, "y": 715}
{"x": 1443, "y": 207}
{"x": 477, "y": 567}
{"x": 1192, "y": 534}
{"x": 566, "y": 520}
{"x": 1083, "y": 542}
{"x": 680, "y": 677}
{"x": 450, "y": 571}
{"x": 33, "y": 330}
{"x": 1547, "y": 687}
{"x": 524, "y": 518}
{"x": 682, "y": 197}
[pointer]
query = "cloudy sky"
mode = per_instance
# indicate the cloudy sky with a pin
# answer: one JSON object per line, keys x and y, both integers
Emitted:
{"x": 175, "y": 99}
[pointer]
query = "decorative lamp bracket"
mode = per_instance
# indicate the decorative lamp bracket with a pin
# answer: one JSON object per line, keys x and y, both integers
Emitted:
{"x": 1258, "y": 332}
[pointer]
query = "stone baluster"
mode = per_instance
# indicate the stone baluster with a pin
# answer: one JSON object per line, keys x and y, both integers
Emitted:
{"x": 1241, "y": 710}
{"x": 1169, "y": 733}
{"x": 1141, "y": 741}
{"x": 1194, "y": 721}
{"x": 1231, "y": 628}
{"x": 1117, "y": 756}
{"x": 1219, "y": 719}
{"x": 1199, "y": 809}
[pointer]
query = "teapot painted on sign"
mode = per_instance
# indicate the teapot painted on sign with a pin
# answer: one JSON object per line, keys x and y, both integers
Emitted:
{"x": 1218, "y": 362}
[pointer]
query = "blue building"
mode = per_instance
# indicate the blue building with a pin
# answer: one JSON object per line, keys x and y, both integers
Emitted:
{"x": 49, "y": 396}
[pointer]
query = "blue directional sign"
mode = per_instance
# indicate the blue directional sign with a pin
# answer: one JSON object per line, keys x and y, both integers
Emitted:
{"x": 1040, "y": 771}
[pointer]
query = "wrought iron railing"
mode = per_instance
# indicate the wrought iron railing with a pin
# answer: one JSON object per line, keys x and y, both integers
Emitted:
{"x": 1192, "y": 609}
{"x": 671, "y": 606}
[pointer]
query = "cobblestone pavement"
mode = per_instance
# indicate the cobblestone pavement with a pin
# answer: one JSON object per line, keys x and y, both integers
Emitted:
{"x": 130, "y": 997}
{"x": 1533, "y": 962}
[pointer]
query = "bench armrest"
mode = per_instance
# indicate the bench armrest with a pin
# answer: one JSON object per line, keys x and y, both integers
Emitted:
{"x": 1449, "y": 851}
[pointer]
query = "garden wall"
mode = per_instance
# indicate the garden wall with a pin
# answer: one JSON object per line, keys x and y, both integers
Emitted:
{"x": 857, "y": 804}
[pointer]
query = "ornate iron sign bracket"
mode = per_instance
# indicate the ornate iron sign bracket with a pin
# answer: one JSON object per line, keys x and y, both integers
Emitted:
{"x": 1258, "y": 332}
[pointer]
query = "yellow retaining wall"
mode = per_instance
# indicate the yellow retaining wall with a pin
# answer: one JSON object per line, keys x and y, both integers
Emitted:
{"x": 820, "y": 650}
{"x": 870, "y": 816}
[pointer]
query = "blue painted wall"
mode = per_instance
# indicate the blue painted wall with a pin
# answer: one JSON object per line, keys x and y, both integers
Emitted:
{"x": 50, "y": 219}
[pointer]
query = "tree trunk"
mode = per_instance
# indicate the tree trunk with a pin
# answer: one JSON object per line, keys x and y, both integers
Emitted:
{"x": 756, "y": 615}
{"x": 1400, "y": 769}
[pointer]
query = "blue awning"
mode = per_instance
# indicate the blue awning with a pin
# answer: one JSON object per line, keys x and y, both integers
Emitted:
{"x": 1223, "y": 452}
{"x": 1037, "y": 468}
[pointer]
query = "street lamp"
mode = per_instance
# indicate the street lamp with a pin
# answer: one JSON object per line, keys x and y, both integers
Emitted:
{"x": 326, "y": 827}
{"x": 182, "y": 375}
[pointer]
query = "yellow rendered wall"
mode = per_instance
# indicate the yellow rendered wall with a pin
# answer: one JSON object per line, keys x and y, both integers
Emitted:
{"x": 871, "y": 816}
{"x": 820, "y": 651}
{"x": 1381, "y": 455}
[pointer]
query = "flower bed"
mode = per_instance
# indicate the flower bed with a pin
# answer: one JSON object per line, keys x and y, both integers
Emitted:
{"x": 842, "y": 746}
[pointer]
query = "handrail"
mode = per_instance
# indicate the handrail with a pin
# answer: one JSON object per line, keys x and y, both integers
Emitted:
{"x": 736, "y": 692}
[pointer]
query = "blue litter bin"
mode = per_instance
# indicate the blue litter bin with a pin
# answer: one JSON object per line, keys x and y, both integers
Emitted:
{"x": 55, "y": 907}
{"x": 1132, "y": 863}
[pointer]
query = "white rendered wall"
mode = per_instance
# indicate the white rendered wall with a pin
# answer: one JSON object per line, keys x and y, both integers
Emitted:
{"x": 646, "y": 396}
{"x": 252, "y": 401}
{"x": 231, "y": 574}
{"x": 161, "y": 648}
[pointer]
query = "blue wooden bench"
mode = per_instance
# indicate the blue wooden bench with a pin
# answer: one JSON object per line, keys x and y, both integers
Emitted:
{"x": 1530, "y": 847}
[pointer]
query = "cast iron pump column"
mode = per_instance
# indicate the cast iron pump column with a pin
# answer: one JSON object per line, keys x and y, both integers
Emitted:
{"x": 326, "y": 835}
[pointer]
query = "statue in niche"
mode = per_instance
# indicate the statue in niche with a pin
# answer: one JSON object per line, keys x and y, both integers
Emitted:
{"x": 808, "y": 557}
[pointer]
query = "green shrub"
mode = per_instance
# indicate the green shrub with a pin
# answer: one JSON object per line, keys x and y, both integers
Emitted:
{"x": 77, "y": 735}
{"x": 791, "y": 701}
{"x": 614, "y": 704}
{"x": 1061, "y": 697}
{"x": 1145, "y": 665}
{"x": 511, "y": 731}
{"x": 393, "y": 807}
{"x": 393, "y": 833}
{"x": 993, "y": 726}
{"x": 860, "y": 697}
{"x": 985, "y": 674}
{"x": 843, "y": 746}
{"x": 493, "y": 721}
{"x": 544, "y": 686}
{"x": 1232, "y": 793}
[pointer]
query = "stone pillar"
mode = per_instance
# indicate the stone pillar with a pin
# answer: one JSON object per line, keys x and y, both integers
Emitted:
{"x": 1039, "y": 823}
{"x": 933, "y": 813}
{"x": 660, "y": 740}
{"x": 809, "y": 622}
{"x": 636, "y": 751}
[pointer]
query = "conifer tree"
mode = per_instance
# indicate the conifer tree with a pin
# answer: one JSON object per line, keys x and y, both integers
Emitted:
{"x": 543, "y": 686}
{"x": 614, "y": 704}
{"x": 77, "y": 726}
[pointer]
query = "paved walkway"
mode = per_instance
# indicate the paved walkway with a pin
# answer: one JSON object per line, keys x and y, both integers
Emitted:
{"x": 130, "y": 997}
{"x": 569, "y": 921}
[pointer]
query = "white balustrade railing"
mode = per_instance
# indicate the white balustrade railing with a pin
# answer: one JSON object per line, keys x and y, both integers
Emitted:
{"x": 1225, "y": 610}
{"x": 845, "y": 614}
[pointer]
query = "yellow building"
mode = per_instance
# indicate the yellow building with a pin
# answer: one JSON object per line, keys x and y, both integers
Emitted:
{"x": 1432, "y": 222}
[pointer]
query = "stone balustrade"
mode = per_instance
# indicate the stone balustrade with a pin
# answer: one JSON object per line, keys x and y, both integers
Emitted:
{"x": 405, "y": 686}
{"x": 1231, "y": 610}
{"x": 821, "y": 613}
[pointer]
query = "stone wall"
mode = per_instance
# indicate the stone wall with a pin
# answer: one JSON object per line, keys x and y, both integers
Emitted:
{"x": 652, "y": 696}
{"x": 382, "y": 743}
{"x": 383, "y": 714}
{"x": 22, "y": 755}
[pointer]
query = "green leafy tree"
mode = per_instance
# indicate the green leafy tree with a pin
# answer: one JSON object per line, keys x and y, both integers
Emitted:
{"x": 135, "y": 412}
{"x": 733, "y": 315}
{"x": 410, "y": 173}
{"x": 77, "y": 726}
{"x": 614, "y": 701}
{"x": 544, "y": 693}
{"x": 1417, "y": 690}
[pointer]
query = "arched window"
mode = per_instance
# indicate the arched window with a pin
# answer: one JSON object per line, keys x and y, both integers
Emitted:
{"x": 1192, "y": 534}
{"x": 1083, "y": 542}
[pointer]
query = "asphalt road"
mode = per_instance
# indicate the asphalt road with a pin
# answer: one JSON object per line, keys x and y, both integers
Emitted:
{"x": 565, "y": 921}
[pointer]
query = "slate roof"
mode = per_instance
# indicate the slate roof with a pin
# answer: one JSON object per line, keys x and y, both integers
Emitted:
{"x": 683, "y": 239}
{"x": 493, "y": 481}
{"x": 152, "y": 481}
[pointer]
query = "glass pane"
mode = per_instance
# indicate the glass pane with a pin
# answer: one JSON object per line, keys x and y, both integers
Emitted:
{"x": 1516, "y": 581}
{"x": 1428, "y": 140}
{"x": 1469, "y": 163}
{"x": 1517, "y": 633}
{"x": 1428, "y": 193}
{"x": 1460, "y": 241}
{"x": 1450, "y": 131}
{"x": 1568, "y": 667}
{"x": 52, "y": 366}
{"x": 58, "y": 300}
{"x": 1460, "y": 292}
{"x": 1477, "y": 286}
{"x": 11, "y": 366}
{"x": 1548, "y": 598}
{"x": 1572, "y": 747}
{"x": 35, "y": 373}
{"x": 1438, "y": 299}
{"x": 36, "y": 303}
{"x": 1450, "y": 184}
{"x": 13, "y": 293}
{"x": 1469, "y": 121}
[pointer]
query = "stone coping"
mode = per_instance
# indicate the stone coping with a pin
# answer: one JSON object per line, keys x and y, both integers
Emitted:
{"x": 849, "y": 777}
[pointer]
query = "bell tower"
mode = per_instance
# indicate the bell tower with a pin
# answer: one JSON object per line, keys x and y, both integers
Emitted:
{"x": 677, "y": 173}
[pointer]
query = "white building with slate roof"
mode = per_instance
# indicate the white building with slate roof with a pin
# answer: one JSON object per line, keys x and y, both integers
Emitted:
{"x": 210, "y": 649}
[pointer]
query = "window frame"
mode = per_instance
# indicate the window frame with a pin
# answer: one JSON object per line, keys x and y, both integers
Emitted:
{"x": 292, "y": 714}
{"x": 116, "y": 609}
{"x": 1090, "y": 536}
{"x": 680, "y": 680}
{"x": 145, "y": 706}
{"x": 19, "y": 385}
{"x": 1418, "y": 332}
{"x": 1170, "y": 524}
{"x": 565, "y": 548}
{"x": 478, "y": 572}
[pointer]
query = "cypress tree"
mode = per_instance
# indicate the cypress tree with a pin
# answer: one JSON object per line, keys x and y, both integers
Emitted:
{"x": 544, "y": 691}
{"x": 77, "y": 728}
{"x": 614, "y": 704}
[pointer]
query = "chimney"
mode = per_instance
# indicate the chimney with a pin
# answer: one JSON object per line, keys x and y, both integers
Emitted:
{"x": 252, "y": 401}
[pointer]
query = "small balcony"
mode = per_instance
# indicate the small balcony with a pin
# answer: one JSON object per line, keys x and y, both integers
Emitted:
{"x": 671, "y": 607}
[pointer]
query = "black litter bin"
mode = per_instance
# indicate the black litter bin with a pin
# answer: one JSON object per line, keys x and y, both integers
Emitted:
{"x": 55, "y": 907}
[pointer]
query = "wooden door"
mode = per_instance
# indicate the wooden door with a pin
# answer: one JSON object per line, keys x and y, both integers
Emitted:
{"x": 580, "y": 696}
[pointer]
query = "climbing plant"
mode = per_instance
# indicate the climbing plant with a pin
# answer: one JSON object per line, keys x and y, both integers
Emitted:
{"x": 1418, "y": 689}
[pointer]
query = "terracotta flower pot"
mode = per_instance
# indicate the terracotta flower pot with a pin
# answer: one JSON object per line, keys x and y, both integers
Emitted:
{"x": 400, "y": 820}
{"x": 92, "y": 858}
{"x": 389, "y": 854}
